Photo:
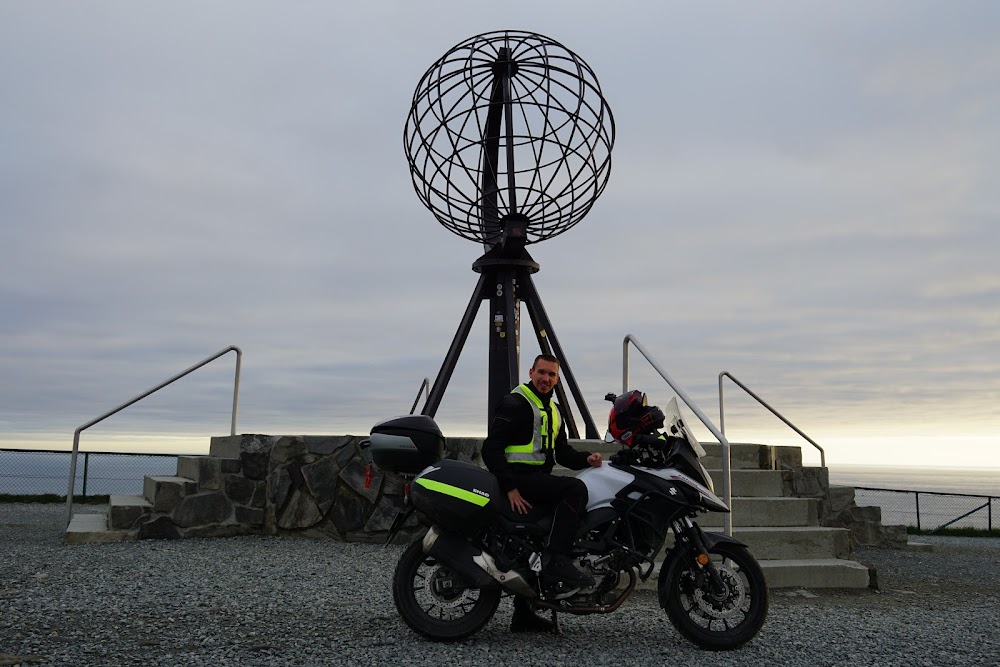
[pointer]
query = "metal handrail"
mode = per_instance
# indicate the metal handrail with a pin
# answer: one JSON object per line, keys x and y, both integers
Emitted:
{"x": 727, "y": 485}
{"x": 76, "y": 434}
{"x": 425, "y": 387}
{"x": 722, "y": 414}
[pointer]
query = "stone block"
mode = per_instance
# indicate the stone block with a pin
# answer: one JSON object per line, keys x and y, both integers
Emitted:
{"x": 463, "y": 449}
{"x": 384, "y": 514}
{"x": 393, "y": 484}
{"x": 201, "y": 509}
{"x": 249, "y": 516}
{"x": 810, "y": 482}
{"x": 287, "y": 448}
{"x": 354, "y": 475}
{"x": 158, "y": 528}
{"x": 259, "y": 499}
{"x": 279, "y": 486}
{"x": 255, "y": 464}
{"x": 346, "y": 454}
{"x": 787, "y": 457}
{"x": 241, "y": 490}
{"x": 321, "y": 480}
{"x": 163, "y": 493}
{"x": 301, "y": 512}
{"x": 325, "y": 445}
{"x": 124, "y": 511}
{"x": 231, "y": 446}
{"x": 350, "y": 512}
{"x": 205, "y": 470}
{"x": 841, "y": 498}
{"x": 218, "y": 530}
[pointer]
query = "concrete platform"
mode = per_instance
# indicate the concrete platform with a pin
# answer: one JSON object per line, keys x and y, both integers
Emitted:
{"x": 93, "y": 529}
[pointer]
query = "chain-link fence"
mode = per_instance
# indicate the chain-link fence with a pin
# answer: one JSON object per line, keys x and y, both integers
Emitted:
{"x": 37, "y": 472}
{"x": 930, "y": 510}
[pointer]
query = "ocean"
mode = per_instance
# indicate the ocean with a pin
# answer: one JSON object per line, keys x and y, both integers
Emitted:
{"x": 29, "y": 472}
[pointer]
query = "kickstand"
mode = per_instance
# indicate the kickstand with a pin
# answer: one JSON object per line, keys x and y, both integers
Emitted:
{"x": 556, "y": 630}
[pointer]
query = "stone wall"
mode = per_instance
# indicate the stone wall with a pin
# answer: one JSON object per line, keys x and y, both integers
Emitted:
{"x": 836, "y": 506}
{"x": 313, "y": 486}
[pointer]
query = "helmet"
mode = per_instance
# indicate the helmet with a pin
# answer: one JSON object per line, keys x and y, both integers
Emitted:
{"x": 630, "y": 417}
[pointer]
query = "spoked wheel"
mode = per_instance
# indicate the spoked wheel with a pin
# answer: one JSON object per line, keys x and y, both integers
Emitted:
{"x": 435, "y": 601}
{"x": 716, "y": 619}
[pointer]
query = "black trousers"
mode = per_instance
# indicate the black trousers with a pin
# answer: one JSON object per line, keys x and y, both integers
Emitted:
{"x": 566, "y": 496}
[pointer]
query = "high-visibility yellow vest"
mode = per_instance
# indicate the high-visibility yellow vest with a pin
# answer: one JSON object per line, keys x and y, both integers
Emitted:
{"x": 544, "y": 431}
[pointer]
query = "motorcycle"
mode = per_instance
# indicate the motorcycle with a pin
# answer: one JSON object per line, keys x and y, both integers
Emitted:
{"x": 449, "y": 581}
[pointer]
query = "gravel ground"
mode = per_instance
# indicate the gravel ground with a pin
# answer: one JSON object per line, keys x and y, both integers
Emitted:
{"x": 278, "y": 601}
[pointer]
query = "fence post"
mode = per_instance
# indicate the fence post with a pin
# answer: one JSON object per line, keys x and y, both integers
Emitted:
{"x": 86, "y": 466}
{"x": 916, "y": 495}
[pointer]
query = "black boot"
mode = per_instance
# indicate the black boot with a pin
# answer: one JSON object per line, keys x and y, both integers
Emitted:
{"x": 525, "y": 619}
{"x": 558, "y": 567}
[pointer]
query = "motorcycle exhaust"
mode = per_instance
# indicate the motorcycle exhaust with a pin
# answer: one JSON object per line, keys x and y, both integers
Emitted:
{"x": 475, "y": 566}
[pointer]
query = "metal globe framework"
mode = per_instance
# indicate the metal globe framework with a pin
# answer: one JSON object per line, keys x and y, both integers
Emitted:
{"x": 509, "y": 123}
{"x": 509, "y": 143}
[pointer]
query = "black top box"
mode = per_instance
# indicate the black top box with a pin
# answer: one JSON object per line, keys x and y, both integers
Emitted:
{"x": 406, "y": 444}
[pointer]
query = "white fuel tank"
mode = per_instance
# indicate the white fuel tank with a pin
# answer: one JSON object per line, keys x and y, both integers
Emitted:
{"x": 603, "y": 483}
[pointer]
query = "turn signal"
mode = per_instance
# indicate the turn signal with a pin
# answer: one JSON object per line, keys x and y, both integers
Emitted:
{"x": 702, "y": 559}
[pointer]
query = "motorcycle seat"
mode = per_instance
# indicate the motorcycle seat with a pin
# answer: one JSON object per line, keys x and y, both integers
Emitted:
{"x": 535, "y": 522}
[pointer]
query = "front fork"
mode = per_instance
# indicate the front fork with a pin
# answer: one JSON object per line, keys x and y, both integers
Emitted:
{"x": 699, "y": 544}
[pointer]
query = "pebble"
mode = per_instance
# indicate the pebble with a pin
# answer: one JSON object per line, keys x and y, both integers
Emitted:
{"x": 291, "y": 601}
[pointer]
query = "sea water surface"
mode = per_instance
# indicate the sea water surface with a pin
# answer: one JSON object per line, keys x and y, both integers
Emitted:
{"x": 25, "y": 472}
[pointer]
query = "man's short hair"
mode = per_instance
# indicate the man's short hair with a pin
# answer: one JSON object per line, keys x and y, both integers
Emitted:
{"x": 545, "y": 357}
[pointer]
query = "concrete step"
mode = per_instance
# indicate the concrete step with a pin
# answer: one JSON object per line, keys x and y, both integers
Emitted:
{"x": 750, "y": 483}
{"x": 124, "y": 511}
{"x": 798, "y": 573}
{"x": 93, "y": 529}
{"x": 795, "y": 542}
{"x": 164, "y": 492}
{"x": 207, "y": 471}
{"x": 746, "y": 483}
{"x": 742, "y": 455}
{"x": 776, "y": 512}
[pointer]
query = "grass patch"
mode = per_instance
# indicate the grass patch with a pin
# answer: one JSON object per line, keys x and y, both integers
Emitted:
{"x": 955, "y": 532}
{"x": 52, "y": 498}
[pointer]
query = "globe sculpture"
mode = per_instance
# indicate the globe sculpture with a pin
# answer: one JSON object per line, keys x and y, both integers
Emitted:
{"x": 509, "y": 143}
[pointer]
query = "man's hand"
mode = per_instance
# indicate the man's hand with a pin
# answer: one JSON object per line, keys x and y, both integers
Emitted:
{"x": 517, "y": 503}
{"x": 595, "y": 460}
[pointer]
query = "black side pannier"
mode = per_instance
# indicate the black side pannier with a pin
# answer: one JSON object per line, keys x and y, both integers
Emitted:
{"x": 456, "y": 495}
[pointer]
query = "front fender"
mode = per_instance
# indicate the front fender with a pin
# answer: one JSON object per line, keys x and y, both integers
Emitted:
{"x": 682, "y": 550}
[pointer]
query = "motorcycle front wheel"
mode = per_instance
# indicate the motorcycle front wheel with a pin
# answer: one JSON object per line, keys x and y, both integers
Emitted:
{"x": 716, "y": 620}
{"x": 435, "y": 601}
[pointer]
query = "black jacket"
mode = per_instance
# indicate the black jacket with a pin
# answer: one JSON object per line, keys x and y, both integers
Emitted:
{"x": 513, "y": 424}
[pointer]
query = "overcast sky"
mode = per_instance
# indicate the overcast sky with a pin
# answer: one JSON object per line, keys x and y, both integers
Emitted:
{"x": 803, "y": 194}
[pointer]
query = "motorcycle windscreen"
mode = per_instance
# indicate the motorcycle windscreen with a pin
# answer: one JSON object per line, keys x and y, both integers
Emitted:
{"x": 673, "y": 415}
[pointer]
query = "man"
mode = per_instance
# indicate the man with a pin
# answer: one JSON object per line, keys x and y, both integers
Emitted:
{"x": 526, "y": 439}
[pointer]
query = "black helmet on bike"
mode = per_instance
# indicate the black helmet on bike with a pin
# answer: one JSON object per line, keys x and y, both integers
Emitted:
{"x": 631, "y": 416}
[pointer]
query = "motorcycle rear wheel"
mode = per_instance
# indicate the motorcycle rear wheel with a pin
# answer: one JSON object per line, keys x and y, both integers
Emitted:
{"x": 435, "y": 601}
{"x": 716, "y": 622}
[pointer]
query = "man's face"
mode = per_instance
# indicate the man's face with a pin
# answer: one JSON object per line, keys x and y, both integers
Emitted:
{"x": 544, "y": 375}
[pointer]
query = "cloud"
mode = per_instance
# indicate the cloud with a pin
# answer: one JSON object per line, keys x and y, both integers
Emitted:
{"x": 800, "y": 194}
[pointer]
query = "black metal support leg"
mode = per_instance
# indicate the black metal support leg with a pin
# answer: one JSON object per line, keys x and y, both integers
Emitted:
{"x": 454, "y": 352}
{"x": 544, "y": 326}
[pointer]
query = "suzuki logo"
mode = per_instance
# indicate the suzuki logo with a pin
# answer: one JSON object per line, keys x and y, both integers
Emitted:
{"x": 673, "y": 491}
